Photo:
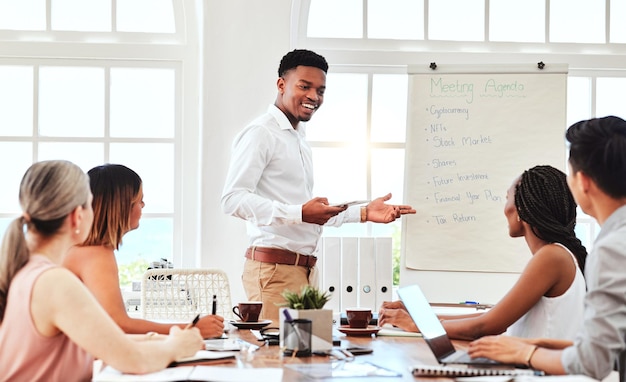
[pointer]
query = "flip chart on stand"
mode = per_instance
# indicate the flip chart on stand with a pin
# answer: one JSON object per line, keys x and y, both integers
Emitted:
{"x": 471, "y": 131}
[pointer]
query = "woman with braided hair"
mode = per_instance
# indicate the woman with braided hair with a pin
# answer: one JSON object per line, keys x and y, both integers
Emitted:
{"x": 547, "y": 299}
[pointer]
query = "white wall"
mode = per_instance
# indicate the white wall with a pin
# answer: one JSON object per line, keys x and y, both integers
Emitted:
{"x": 244, "y": 42}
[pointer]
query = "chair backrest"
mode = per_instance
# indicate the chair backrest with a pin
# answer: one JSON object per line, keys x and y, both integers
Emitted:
{"x": 182, "y": 293}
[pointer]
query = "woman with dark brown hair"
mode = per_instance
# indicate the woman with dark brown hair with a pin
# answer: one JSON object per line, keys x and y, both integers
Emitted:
{"x": 117, "y": 204}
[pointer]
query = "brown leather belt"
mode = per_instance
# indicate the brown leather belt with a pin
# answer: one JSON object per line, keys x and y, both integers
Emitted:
{"x": 280, "y": 256}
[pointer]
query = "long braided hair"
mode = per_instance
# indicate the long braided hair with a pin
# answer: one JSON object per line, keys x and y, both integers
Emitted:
{"x": 544, "y": 201}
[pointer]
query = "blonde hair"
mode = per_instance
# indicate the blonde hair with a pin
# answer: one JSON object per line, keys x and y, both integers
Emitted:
{"x": 49, "y": 192}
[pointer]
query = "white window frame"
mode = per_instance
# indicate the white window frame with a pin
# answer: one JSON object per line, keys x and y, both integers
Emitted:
{"x": 180, "y": 51}
{"x": 373, "y": 56}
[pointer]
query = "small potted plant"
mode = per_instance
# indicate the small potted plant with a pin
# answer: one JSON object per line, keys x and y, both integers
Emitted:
{"x": 308, "y": 298}
{"x": 309, "y": 304}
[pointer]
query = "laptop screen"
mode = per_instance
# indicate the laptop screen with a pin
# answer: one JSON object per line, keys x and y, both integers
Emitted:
{"x": 421, "y": 312}
{"x": 426, "y": 320}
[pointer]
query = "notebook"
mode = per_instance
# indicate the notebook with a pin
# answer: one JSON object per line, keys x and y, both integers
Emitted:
{"x": 433, "y": 332}
{"x": 206, "y": 357}
{"x": 449, "y": 371}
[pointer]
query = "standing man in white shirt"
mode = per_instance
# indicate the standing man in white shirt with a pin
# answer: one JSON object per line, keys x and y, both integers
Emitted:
{"x": 270, "y": 185}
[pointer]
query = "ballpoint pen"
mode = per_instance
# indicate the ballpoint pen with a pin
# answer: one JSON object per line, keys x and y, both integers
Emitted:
{"x": 194, "y": 322}
{"x": 214, "y": 307}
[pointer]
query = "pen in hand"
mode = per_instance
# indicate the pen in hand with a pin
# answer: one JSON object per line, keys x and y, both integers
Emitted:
{"x": 194, "y": 322}
{"x": 214, "y": 307}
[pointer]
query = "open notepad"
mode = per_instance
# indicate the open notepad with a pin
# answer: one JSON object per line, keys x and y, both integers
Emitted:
{"x": 174, "y": 372}
{"x": 391, "y": 331}
{"x": 207, "y": 356}
{"x": 193, "y": 373}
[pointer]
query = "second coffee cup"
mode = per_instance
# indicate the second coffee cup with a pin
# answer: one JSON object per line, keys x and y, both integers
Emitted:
{"x": 359, "y": 318}
{"x": 248, "y": 311}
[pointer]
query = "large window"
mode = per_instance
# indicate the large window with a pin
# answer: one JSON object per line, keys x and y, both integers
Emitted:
{"x": 358, "y": 142}
{"x": 99, "y": 82}
{"x": 359, "y": 135}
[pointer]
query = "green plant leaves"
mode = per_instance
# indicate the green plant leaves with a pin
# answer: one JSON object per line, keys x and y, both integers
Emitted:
{"x": 308, "y": 298}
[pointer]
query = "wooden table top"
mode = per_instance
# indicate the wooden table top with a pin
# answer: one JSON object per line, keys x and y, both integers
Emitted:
{"x": 394, "y": 353}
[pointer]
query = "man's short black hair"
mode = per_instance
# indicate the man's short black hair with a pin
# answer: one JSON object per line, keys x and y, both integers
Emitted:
{"x": 301, "y": 57}
{"x": 598, "y": 148}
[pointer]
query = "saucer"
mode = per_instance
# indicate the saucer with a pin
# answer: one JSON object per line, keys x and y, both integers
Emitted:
{"x": 250, "y": 325}
{"x": 347, "y": 330}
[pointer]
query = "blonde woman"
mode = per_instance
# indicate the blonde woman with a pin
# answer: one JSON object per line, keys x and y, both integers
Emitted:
{"x": 51, "y": 326}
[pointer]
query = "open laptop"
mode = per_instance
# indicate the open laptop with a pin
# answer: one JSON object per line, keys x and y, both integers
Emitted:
{"x": 433, "y": 332}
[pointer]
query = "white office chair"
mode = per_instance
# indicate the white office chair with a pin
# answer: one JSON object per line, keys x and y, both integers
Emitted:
{"x": 180, "y": 294}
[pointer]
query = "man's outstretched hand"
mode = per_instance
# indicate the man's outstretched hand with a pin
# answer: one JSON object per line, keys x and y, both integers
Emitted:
{"x": 379, "y": 212}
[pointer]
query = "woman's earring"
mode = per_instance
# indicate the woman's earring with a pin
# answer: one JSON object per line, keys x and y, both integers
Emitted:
{"x": 518, "y": 219}
{"x": 78, "y": 231}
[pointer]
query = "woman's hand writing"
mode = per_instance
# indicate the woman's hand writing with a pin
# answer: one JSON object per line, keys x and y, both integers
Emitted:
{"x": 184, "y": 342}
{"x": 211, "y": 326}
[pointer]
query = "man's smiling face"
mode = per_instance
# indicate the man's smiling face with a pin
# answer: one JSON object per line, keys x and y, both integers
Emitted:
{"x": 301, "y": 93}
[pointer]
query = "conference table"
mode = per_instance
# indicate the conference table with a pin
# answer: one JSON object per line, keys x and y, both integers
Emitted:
{"x": 397, "y": 354}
